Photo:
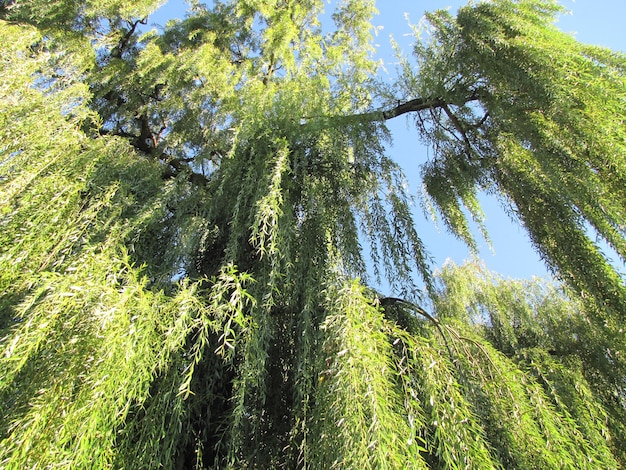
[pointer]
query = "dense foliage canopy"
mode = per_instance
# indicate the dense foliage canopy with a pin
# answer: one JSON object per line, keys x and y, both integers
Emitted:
{"x": 193, "y": 220}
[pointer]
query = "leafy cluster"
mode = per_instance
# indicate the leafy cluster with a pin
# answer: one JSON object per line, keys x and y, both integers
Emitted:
{"x": 182, "y": 213}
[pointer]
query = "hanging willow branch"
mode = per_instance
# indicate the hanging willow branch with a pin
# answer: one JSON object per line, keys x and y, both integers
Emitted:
{"x": 225, "y": 321}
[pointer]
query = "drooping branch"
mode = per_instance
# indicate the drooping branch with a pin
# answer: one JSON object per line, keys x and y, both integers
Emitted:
{"x": 389, "y": 301}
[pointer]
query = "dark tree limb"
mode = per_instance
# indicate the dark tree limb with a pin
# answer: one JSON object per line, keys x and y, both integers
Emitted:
{"x": 118, "y": 50}
{"x": 417, "y": 104}
{"x": 145, "y": 142}
{"x": 420, "y": 104}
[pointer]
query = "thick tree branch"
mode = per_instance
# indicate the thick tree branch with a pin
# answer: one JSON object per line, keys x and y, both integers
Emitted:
{"x": 417, "y": 104}
{"x": 420, "y": 104}
{"x": 411, "y": 106}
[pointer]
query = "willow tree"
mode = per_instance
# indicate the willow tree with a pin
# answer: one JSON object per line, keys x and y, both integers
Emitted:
{"x": 184, "y": 215}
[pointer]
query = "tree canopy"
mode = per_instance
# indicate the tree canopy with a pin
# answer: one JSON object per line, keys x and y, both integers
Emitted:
{"x": 193, "y": 223}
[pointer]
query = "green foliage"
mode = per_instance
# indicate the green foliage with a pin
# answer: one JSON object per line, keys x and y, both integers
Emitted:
{"x": 543, "y": 346}
{"x": 182, "y": 221}
{"x": 533, "y": 122}
{"x": 360, "y": 420}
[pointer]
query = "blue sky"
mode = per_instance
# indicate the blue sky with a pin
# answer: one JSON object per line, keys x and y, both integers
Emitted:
{"x": 598, "y": 22}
